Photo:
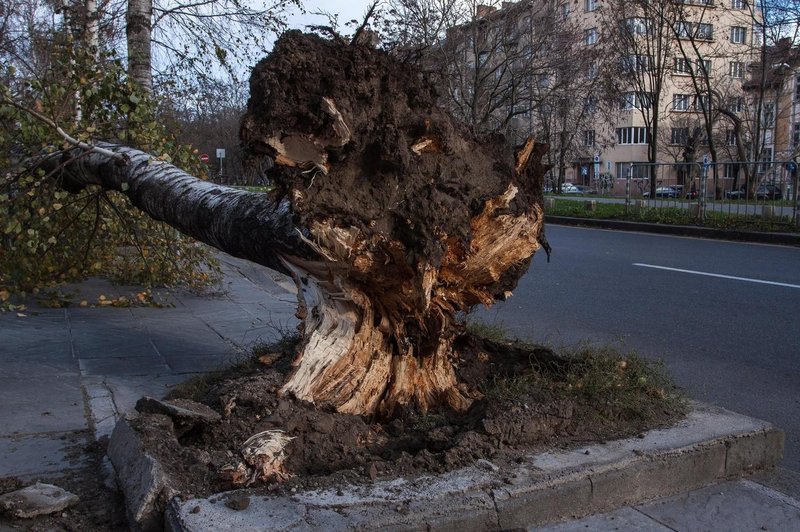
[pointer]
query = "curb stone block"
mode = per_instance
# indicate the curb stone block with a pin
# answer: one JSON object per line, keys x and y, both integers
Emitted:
{"x": 754, "y": 451}
{"x": 140, "y": 478}
{"x": 651, "y": 477}
{"x": 536, "y": 504}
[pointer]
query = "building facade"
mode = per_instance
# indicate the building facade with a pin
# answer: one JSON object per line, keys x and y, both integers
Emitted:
{"x": 665, "y": 83}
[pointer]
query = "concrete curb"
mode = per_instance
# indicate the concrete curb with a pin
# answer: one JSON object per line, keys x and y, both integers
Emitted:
{"x": 140, "y": 477}
{"x": 711, "y": 444}
{"x": 787, "y": 239}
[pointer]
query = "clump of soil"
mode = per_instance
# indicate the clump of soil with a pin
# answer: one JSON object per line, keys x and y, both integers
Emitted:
{"x": 534, "y": 399}
{"x": 376, "y": 181}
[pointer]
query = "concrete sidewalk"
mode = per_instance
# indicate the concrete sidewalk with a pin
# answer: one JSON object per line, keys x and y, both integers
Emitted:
{"x": 69, "y": 374}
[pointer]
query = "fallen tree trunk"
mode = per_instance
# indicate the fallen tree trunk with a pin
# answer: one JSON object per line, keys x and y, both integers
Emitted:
{"x": 391, "y": 219}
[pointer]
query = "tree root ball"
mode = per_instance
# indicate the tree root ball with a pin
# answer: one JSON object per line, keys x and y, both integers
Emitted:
{"x": 408, "y": 170}
{"x": 414, "y": 220}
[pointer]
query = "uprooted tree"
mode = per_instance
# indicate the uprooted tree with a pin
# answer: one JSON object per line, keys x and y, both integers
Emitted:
{"x": 390, "y": 217}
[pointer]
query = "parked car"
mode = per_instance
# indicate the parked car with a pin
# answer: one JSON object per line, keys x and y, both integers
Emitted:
{"x": 771, "y": 192}
{"x": 569, "y": 188}
{"x": 763, "y": 192}
{"x": 665, "y": 192}
{"x": 738, "y": 193}
{"x": 585, "y": 190}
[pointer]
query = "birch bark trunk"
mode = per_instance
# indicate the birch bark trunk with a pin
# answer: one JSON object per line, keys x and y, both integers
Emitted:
{"x": 138, "y": 30}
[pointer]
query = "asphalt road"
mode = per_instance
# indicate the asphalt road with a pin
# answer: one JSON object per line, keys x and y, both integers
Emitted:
{"x": 732, "y": 341}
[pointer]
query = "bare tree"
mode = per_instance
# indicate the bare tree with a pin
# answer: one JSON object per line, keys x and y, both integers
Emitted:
{"x": 640, "y": 35}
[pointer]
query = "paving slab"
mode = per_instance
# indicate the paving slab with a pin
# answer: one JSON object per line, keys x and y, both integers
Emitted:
{"x": 41, "y": 455}
{"x": 544, "y": 488}
{"x": 729, "y": 506}
{"x": 619, "y": 520}
{"x": 45, "y": 402}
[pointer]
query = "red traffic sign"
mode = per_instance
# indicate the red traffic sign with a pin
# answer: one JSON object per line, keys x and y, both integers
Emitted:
{"x": 204, "y": 158}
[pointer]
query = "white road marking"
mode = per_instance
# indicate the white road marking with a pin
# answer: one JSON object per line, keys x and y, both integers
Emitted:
{"x": 707, "y": 274}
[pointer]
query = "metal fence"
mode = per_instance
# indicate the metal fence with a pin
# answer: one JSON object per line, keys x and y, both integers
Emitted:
{"x": 768, "y": 190}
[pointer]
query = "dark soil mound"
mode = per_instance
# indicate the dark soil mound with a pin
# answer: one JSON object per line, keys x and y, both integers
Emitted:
{"x": 533, "y": 399}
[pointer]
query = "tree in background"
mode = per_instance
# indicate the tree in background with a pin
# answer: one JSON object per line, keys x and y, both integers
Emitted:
{"x": 639, "y": 35}
{"x": 516, "y": 69}
{"x": 63, "y": 82}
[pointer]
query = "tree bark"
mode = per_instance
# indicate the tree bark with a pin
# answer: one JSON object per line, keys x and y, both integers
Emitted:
{"x": 138, "y": 30}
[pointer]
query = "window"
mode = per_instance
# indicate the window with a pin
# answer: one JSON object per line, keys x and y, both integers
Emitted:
{"x": 704, "y": 67}
{"x": 738, "y": 4}
{"x": 636, "y": 25}
{"x": 756, "y": 33}
{"x": 591, "y": 73}
{"x": 701, "y": 30}
{"x": 636, "y": 63}
{"x": 635, "y": 100}
{"x": 796, "y": 135}
{"x": 736, "y": 105}
{"x": 766, "y": 158}
{"x": 590, "y": 36}
{"x": 635, "y": 170}
{"x": 591, "y": 5}
{"x": 680, "y": 102}
{"x": 682, "y": 66}
{"x": 738, "y": 34}
{"x": 565, "y": 11}
{"x": 731, "y": 170}
{"x": 588, "y": 137}
{"x": 797, "y": 88}
{"x": 679, "y": 136}
{"x": 632, "y": 135}
{"x": 705, "y": 31}
{"x": 590, "y": 104}
{"x": 701, "y": 102}
{"x": 683, "y": 29}
{"x": 730, "y": 137}
{"x": 737, "y": 69}
{"x": 769, "y": 114}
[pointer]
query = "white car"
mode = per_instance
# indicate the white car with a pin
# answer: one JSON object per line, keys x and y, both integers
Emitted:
{"x": 569, "y": 188}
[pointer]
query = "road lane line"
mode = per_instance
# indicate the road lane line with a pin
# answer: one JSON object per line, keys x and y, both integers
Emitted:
{"x": 707, "y": 274}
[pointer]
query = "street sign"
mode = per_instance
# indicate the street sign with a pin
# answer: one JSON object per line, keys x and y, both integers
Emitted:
{"x": 584, "y": 170}
{"x": 791, "y": 166}
{"x": 705, "y": 162}
{"x": 597, "y": 157}
{"x": 204, "y": 158}
{"x": 220, "y": 153}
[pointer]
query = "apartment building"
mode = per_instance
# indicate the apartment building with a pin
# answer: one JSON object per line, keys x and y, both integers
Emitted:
{"x": 773, "y": 88}
{"x": 663, "y": 70}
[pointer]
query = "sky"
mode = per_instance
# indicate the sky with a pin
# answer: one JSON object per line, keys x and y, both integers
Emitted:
{"x": 346, "y": 9}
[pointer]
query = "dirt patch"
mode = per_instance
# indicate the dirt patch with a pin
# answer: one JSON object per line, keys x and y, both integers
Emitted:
{"x": 100, "y": 508}
{"x": 533, "y": 399}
